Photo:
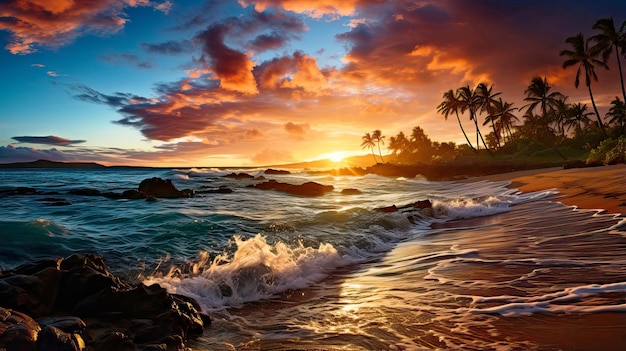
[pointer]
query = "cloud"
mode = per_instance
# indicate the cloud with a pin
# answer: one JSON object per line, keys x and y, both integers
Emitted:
{"x": 297, "y": 130}
{"x": 314, "y": 9}
{"x": 36, "y": 23}
{"x": 47, "y": 140}
{"x": 39, "y": 65}
{"x": 272, "y": 41}
{"x": 170, "y": 47}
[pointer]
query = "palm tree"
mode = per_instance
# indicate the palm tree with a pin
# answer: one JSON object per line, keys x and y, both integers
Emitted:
{"x": 539, "y": 96}
{"x": 578, "y": 116}
{"x": 377, "y": 136}
{"x": 585, "y": 57}
{"x": 503, "y": 117}
{"x": 487, "y": 100}
{"x": 368, "y": 142}
{"x": 617, "y": 112}
{"x": 451, "y": 104}
{"x": 561, "y": 112}
{"x": 471, "y": 102}
{"x": 611, "y": 39}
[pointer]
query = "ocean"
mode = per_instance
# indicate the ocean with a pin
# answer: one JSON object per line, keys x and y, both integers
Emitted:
{"x": 490, "y": 268}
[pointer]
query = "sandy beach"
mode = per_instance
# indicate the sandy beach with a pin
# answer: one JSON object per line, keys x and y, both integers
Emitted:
{"x": 601, "y": 188}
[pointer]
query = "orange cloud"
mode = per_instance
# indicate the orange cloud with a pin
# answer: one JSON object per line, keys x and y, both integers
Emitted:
{"x": 313, "y": 8}
{"x": 54, "y": 23}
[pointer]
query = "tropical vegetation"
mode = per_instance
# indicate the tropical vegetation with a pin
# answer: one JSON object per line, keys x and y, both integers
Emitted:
{"x": 547, "y": 127}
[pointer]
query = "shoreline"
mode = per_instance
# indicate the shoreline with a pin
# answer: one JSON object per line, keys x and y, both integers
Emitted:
{"x": 594, "y": 188}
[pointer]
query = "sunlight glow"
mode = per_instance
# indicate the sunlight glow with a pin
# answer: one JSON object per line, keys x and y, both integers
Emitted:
{"x": 337, "y": 156}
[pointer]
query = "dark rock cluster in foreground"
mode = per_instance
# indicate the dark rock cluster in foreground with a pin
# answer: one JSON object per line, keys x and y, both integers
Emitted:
{"x": 76, "y": 304}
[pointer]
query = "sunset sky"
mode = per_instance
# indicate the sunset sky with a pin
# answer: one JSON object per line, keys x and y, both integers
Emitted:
{"x": 261, "y": 82}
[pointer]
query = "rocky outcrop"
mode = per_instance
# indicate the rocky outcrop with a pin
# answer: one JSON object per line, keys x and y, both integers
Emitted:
{"x": 162, "y": 188}
{"x": 306, "y": 189}
{"x": 413, "y": 211}
{"x": 276, "y": 171}
{"x": 239, "y": 176}
{"x": 351, "y": 191}
{"x": 73, "y": 303}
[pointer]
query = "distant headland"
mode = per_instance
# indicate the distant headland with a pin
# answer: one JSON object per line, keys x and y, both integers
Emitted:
{"x": 51, "y": 164}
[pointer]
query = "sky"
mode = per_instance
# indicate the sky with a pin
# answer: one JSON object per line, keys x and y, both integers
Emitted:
{"x": 183, "y": 83}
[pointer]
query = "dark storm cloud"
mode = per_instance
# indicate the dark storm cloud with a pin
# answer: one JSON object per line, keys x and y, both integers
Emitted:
{"x": 47, "y": 140}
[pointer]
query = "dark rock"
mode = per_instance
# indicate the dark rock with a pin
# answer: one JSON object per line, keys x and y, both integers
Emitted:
{"x": 306, "y": 189}
{"x": 350, "y": 191}
{"x": 239, "y": 176}
{"x": 85, "y": 192}
{"x": 260, "y": 178}
{"x": 67, "y": 324}
{"x": 276, "y": 171}
{"x": 20, "y": 190}
{"x": 67, "y": 293}
{"x": 133, "y": 194}
{"x": 18, "y": 331}
{"x": 387, "y": 209}
{"x": 162, "y": 188}
{"x": 54, "y": 339}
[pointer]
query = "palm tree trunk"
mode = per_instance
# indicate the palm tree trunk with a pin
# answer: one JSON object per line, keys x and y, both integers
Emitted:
{"x": 595, "y": 108}
{"x": 380, "y": 153}
{"x": 464, "y": 134}
{"x": 478, "y": 133}
{"x": 621, "y": 75}
{"x": 374, "y": 155}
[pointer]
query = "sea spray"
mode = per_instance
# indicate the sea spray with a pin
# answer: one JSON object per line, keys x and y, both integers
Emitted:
{"x": 256, "y": 270}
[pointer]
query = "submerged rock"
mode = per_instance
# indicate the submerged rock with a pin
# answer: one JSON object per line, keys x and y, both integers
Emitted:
{"x": 80, "y": 304}
{"x": 306, "y": 189}
{"x": 351, "y": 191}
{"x": 239, "y": 176}
{"x": 276, "y": 171}
{"x": 413, "y": 211}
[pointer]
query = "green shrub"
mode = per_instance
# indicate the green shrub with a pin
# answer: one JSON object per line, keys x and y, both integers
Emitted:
{"x": 610, "y": 151}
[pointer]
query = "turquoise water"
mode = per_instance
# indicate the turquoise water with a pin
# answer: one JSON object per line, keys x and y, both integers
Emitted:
{"x": 278, "y": 271}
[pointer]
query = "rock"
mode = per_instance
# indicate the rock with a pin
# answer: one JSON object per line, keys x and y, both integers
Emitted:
{"x": 221, "y": 190}
{"x": 162, "y": 188}
{"x": 260, "y": 178}
{"x": 20, "y": 190}
{"x": 54, "y": 339}
{"x": 306, "y": 189}
{"x": 387, "y": 209}
{"x": 276, "y": 171}
{"x": 18, "y": 331}
{"x": 81, "y": 305}
{"x": 239, "y": 176}
{"x": 350, "y": 191}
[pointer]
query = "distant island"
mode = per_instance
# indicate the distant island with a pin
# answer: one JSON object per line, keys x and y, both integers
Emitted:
{"x": 51, "y": 164}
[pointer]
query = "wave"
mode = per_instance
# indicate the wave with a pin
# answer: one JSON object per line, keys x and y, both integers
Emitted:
{"x": 256, "y": 270}
{"x": 592, "y": 298}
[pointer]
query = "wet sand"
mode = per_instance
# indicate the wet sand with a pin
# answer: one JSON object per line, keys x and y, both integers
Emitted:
{"x": 601, "y": 188}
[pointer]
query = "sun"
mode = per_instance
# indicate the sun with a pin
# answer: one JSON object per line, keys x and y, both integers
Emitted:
{"x": 336, "y": 156}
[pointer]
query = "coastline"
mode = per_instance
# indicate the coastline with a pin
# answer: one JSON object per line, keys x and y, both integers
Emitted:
{"x": 594, "y": 188}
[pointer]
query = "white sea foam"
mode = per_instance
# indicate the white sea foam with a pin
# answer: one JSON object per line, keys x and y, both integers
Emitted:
{"x": 256, "y": 270}
{"x": 568, "y": 300}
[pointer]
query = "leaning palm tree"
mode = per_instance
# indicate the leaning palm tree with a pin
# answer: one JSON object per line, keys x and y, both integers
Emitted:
{"x": 487, "y": 100}
{"x": 368, "y": 142}
{"x": 377, "y": 136}
{"x": 586, "y": 58}
{"x": 617, "y": 112}
{"x": 451, "y": 104}
{"x": 470, "y": 101}
{"x": 611, "y": 39}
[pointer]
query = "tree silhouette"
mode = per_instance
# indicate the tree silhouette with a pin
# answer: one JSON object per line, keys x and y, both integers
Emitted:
{"x": 617, "y": 112}
{"x": 377, "y": 136}
{"x": 586, "y": 58}
{"x": 611, "y": 39}
{"x": 471, "y": 102}
{"x": 368, "y": 142}
{"x": 449, "y": 105}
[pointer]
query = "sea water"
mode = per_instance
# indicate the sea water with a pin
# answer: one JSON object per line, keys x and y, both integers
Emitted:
{"x": 489, "y": 268}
